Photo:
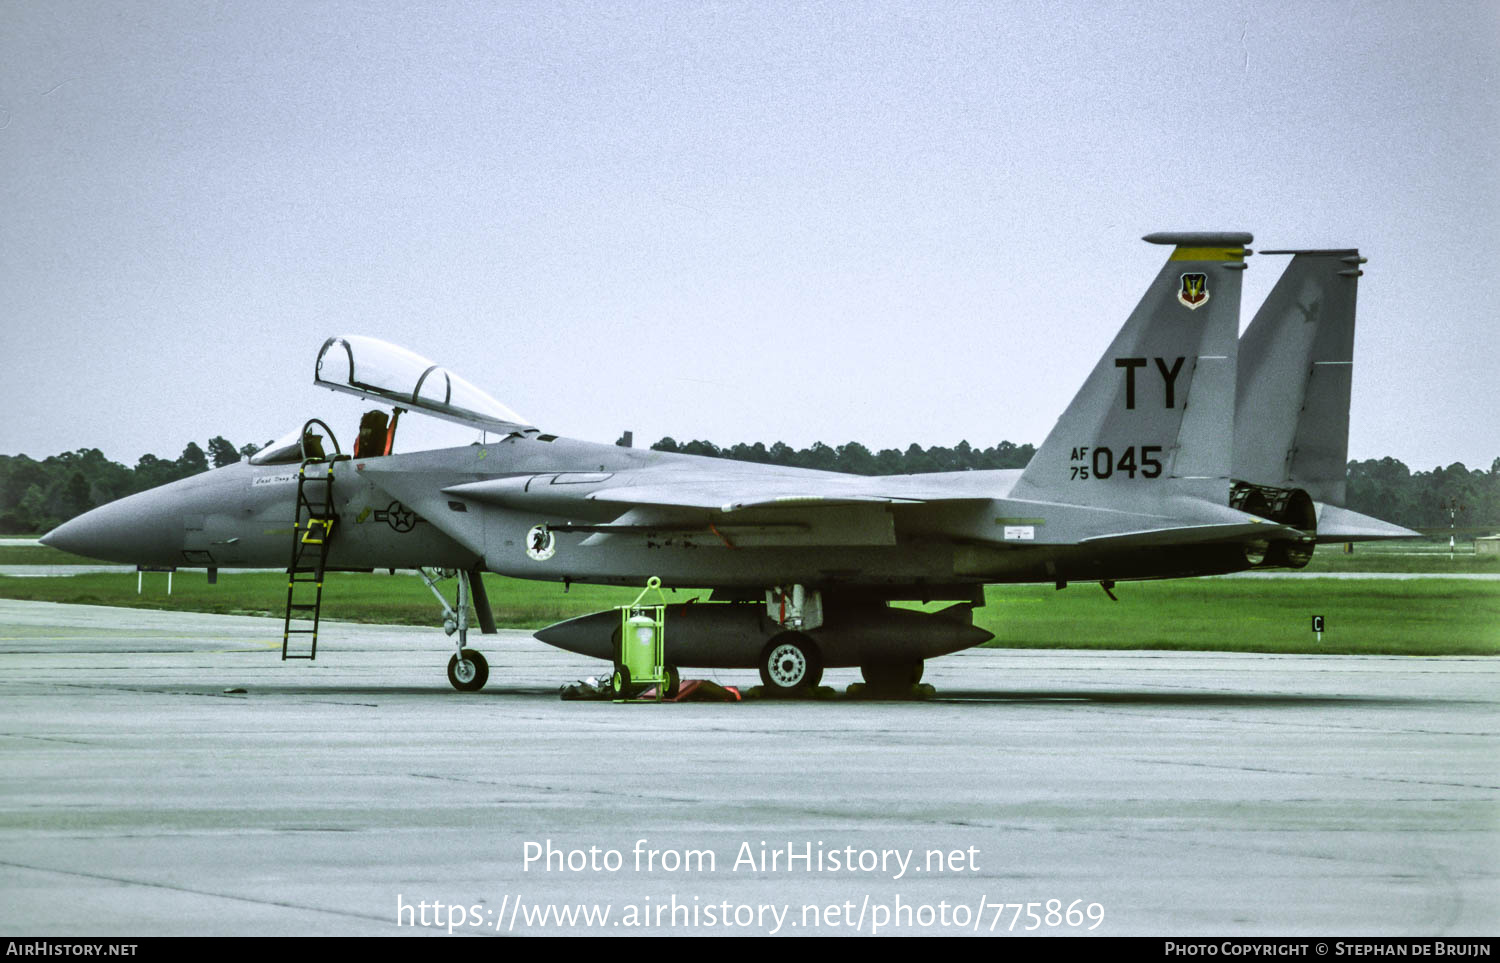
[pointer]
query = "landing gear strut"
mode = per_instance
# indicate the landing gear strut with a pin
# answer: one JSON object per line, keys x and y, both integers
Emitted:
{"x": 467, "y": 669}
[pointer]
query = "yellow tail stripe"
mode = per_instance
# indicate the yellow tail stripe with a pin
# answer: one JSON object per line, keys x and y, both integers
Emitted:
{"x": 1208, "y": 254}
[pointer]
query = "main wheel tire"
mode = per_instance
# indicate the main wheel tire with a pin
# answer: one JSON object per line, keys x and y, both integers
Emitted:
{"x": 790, "y": 662}
{"x": 892, "y": 675}
{"x": 619, "y": 683}
{"x": 469, "y": 674}
{"x": 674, "y": 682}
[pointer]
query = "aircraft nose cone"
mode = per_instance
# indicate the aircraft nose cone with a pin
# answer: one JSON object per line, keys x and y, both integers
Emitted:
{"x": 131, "y": 530}
{"x": 67, "y": 536}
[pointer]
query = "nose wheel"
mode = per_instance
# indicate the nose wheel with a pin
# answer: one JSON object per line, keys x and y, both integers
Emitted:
{"x": 468, "y": 671}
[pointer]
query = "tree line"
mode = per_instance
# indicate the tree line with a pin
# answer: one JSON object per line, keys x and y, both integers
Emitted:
{"x": 38, "y": 495}
{"x": 856, "y": 459}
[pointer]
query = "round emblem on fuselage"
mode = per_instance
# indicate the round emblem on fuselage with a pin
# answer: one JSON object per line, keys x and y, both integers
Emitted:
{"x": 540, "y": 544}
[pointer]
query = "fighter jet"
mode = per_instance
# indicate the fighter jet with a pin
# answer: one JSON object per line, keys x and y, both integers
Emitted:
{"x": 1136, "y": 481}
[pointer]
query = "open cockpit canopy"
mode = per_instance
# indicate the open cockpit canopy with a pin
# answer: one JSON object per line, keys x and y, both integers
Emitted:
{"x": 376, "y": 369}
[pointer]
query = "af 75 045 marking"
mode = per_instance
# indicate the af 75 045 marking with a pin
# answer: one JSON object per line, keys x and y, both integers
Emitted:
{"x": 1100, "y": 462}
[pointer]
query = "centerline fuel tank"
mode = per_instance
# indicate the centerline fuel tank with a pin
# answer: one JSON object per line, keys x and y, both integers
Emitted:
{"x": 731, "y": 635}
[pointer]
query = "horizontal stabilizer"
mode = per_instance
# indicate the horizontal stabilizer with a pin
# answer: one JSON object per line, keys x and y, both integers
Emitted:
{"x": 1337, "y": 524}
{"x": 1190, "y": 534}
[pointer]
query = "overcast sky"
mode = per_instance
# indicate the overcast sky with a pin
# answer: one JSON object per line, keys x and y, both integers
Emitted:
{"x": 889, "y": 223}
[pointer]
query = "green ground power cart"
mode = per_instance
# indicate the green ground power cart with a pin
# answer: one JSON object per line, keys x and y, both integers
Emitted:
{"x": 640, "y": 660}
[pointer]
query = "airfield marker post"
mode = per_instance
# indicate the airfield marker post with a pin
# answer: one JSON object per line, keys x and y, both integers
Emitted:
{"x": 141, "y": 569}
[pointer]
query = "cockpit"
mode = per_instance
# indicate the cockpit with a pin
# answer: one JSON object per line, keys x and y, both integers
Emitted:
{"x": 394, "y": 377}
{"x": 295, "y": 446}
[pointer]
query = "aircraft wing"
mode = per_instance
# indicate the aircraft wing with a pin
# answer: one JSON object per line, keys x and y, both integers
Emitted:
{"x": 702, "y": 491}
{"x": 730, "y": 498}
{"x": 739, "y": 508}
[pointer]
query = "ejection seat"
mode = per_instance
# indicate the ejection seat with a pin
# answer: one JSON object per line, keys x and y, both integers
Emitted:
{"x": 372, "y": 438}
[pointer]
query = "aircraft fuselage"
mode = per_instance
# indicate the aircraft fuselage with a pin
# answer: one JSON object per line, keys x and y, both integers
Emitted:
{"x": 397, "y": 512}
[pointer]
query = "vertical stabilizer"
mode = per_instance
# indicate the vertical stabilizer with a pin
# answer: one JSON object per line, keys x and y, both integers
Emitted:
{"x": 1291, "y": 420}
{"x": 1159, "y": 406}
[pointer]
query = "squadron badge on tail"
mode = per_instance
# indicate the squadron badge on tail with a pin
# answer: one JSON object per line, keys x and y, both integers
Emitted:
{"x": 1194, "y": 291}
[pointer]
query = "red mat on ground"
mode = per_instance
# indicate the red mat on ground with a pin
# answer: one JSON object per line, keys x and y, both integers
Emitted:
{"x": 699, "y": 690}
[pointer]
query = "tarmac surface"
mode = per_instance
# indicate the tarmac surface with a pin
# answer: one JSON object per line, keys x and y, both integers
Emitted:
{"x": 1169, "y": 794}
{"x": 54, "y": 571}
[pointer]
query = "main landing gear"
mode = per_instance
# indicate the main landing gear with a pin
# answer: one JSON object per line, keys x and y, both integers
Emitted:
{"x": 467, "y": 669}
{"x": 789, "y": 662}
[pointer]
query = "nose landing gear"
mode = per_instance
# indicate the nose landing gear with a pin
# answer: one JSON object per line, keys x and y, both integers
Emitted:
{"x": 467, "y": 669}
